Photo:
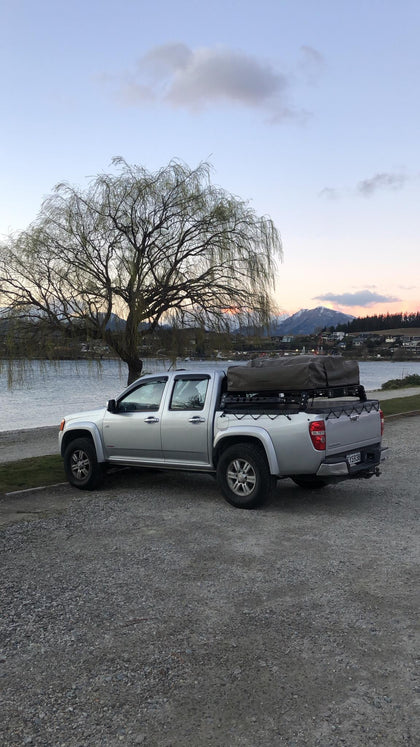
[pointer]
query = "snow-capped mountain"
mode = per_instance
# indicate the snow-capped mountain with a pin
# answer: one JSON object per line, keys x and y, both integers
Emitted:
{"x": 308, "y": 321}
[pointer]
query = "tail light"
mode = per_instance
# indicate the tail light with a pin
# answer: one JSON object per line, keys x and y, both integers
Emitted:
{"x": 382, "y": 422}
{"x": 317, "y": 434}
{"x": 62, "y": 424}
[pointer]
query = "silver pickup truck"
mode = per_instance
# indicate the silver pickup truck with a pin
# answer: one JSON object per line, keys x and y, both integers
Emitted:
{"x": 249, "y": 430}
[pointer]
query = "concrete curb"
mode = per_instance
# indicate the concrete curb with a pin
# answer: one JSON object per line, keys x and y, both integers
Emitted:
{"x": 32, "y": 490}
{"x": 410, "y": 414}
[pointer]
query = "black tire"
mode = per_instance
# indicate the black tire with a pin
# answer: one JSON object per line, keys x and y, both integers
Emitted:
{"x": 81, "y": 466}
{"x": 310, "y": 482}
{"x": 243, "y": 476}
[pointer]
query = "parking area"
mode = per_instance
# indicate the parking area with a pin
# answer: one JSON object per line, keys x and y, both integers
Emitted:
{"x": 151, "y": 612}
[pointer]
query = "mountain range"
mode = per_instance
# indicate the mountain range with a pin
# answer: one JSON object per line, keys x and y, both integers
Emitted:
{"x": 304, "y": 322}
{"x": 308, "y": 321}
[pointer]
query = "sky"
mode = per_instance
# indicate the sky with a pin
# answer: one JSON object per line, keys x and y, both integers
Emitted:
{"x": 307, "y": 109}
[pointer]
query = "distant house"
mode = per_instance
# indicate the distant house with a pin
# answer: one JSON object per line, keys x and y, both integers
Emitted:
{"x": 333, "y": 336}
{"x": 412, "y": 343}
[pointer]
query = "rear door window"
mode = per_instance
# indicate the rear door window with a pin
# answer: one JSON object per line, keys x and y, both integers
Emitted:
{"x": 189, "y": 393}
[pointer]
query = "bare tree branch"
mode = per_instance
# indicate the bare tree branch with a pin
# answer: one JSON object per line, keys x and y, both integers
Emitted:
{"x": 141, "y": 245}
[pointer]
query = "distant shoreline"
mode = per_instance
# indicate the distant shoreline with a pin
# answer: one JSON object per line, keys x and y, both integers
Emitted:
{"x": 240, "y": 358}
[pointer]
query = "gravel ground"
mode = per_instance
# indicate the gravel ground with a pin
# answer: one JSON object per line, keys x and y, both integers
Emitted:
{"x": 153, "y": 613}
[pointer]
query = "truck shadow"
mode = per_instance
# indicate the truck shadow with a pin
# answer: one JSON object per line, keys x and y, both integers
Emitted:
{"x": 342, "y": 498}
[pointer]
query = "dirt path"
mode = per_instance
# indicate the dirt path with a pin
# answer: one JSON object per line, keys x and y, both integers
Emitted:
{"x": 20, "y": 444}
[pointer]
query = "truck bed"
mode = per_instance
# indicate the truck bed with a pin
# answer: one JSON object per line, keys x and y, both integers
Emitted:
{"x": 352, "y": 425}
{"x": 299, "y": 400}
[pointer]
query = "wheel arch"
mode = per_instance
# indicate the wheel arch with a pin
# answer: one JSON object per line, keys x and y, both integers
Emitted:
{"x": 84, "y": 430}
{"x": 255, "y": 437}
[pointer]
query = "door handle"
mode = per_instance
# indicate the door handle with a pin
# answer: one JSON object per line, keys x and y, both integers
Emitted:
{"x": 196, "y": 419}
{"x": 151, "y": 419}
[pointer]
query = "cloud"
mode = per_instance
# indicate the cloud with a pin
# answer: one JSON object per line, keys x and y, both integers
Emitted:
{"x": 181, "y": 77}
{"x": 384, "y": 180}
{"x": 195, "y": 78}
{"x": 368, "y": 187}
{"x": 329, "y": 193}
{"x": 311, "y": 64}
{"x": 359, "y": 298}
{"x": 164, "y": 59}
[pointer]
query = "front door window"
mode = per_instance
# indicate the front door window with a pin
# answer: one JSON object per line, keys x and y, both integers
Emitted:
{"x": 146, "y": 398}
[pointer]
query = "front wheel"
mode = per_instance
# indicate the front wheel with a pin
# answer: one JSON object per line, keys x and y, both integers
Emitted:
{"x": 243, "y": 476}
{"x": 310, "y": 482}
{"x": 81, "y": 465}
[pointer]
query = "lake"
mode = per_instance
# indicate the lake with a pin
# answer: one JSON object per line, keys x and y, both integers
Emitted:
{"x": 49, "y": 390}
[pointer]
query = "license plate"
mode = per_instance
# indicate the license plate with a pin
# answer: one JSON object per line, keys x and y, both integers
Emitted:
{"x": 354, "y": 458}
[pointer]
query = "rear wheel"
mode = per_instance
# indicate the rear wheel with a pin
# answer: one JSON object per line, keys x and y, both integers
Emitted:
{"x": 81, "y": 465}
{"x": 244, "y": 477}
{"x": 310, "y": 482}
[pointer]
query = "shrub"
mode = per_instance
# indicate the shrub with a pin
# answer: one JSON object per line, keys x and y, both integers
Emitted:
{"x": 407, "y": 381}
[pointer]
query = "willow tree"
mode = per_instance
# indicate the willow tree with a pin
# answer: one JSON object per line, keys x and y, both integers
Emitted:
{"x": 144, "y": 246}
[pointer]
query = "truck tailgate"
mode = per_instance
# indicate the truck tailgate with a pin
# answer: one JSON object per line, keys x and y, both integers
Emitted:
{"x": 352, "y": 427}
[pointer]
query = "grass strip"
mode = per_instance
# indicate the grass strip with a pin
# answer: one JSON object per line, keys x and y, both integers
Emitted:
{"x": 48, "y": 470}
{"x": 31, "y": 473}
{"x": 400, "y": 405}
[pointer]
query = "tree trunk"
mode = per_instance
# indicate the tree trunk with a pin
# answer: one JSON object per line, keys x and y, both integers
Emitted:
{"x": 135, "y": 367}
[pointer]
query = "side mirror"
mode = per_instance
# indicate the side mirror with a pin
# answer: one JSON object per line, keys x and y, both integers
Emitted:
{"x": 112, "y": 405}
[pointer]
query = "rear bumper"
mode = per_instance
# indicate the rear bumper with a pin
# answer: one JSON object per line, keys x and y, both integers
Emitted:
{"x": 338, "y": 466}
